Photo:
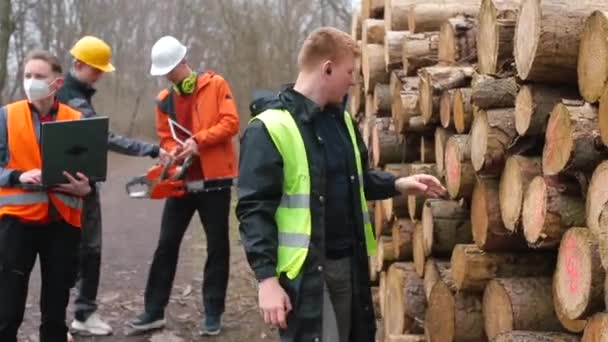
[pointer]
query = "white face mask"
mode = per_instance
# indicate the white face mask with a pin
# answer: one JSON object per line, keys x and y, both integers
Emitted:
{"x": 36, "y": 89}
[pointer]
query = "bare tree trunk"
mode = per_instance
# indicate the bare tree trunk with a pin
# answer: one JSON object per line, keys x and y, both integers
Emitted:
{"x": 6, "y": 30}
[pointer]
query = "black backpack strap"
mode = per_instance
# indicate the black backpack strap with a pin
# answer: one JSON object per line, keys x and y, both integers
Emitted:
{"x": 166, "y": 104}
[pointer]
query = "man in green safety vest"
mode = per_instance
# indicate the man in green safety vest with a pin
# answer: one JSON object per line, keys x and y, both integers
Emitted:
{"x": 303, "y": 190}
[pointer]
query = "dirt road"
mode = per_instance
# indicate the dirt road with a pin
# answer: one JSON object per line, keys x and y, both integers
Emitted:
{"x": 131, "y": 230}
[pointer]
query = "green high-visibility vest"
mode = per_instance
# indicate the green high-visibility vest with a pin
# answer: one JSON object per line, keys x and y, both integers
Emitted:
{"x": 293, "y": 216}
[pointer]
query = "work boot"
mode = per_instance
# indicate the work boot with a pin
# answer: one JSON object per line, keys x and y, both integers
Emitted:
{"x": 92, "y": 326}
{"x": 211, "y": 325}
{"x": 146, "y": 321}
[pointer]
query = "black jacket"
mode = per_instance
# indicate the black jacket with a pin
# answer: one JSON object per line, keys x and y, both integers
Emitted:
{"x": 78, "y": 95}
{"x": 260, "y": 191}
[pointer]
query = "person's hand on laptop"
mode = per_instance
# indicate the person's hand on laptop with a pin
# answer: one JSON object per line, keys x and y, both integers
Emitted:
{"x": 33, "y": 176}
{"x": 77, "y": 186}
{"x": 190, "y": 147}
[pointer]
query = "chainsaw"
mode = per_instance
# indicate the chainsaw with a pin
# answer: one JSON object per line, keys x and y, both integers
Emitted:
{"x": 166, "y": 180}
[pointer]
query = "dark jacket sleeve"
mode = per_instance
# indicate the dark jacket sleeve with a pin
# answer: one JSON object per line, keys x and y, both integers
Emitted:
{"x": 116, "y": 142}
{"x": 378, "y": 184}
{"x": 260, "y": 190}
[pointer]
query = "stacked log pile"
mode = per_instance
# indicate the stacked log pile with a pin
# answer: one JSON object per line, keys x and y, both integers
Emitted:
{"x": 506, "y": 102}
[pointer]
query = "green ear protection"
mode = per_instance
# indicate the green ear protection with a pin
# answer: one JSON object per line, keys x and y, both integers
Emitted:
{"x": 187, "y": 85}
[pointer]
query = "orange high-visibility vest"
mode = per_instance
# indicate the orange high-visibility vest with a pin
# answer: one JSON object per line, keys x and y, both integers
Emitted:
{"x": 24, "y": 155}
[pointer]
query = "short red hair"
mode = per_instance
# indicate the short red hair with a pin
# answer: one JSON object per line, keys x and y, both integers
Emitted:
{"x": 326, "y": 43}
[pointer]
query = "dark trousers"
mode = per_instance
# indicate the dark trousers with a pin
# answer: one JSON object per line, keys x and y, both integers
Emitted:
{"x": 56, "y": 244}
{"x": 89, "y": 258}
{"x": 213, "y": 209}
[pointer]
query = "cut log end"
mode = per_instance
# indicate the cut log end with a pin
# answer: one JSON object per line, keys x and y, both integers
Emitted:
{"x": 516, "y": 173}
{"x": 440, "y": 319}
{"x": 497, "y": 312}
{"x": 579, "y": 279}
{"x": 596, "y": 198}
{"x": 487, "y": 38}
{"x": 527, "y": 37}
{"x": 524, "y": 108}
{"x": 559, "y": 141}
{"x": 445, "y": 108}
{"x": 597, "y": 329}
{"x": 462, "y": 110}
{"x": 534, "y": 210}
{"x": 459, "y": 265}
{"x": 511, "y": 194}
{"x": 593, "y": 57}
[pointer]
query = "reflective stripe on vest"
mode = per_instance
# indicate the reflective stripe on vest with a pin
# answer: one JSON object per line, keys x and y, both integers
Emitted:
{"x": 24, "y": 154}
{"x": 293, "y": 216}
{"x": 39, "y": 197}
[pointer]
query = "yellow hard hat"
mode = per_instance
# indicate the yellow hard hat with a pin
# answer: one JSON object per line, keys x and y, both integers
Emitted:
{"x": 94, "y": 52}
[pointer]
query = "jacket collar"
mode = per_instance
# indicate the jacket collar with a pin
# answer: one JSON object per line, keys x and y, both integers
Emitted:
{"x": 303, "y": 107}
{"x": 71, "y": 82}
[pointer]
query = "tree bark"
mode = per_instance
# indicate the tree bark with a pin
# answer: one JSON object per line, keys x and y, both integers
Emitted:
{"x": 457, "y": 40}
{"x": 492, "y": 133}
{"x": 396, "y": 13}
{"x": 534, "y": 104}
{"x": 491, "y": 92}
{"x": 540, "y": 25}
{"x": 454, "y": 317}
{"x": 372, "y": 9}
{"x": 592, "y": 66}
{"x": 419, "y": 50}
{"x": 473, "y": 268}
{"x": 436, "y": 80}
{"x": 444, "y": 225}
{"x": 382, "y": 99}
{"x": 551, "y": 206}
{"x": 572, "y": 140}
{"x": 462, "y": 110}
{"x": 393, "y": 49}
{"x": 405, "y": 301}
{"x": 519, "y": 304}
{"x": 489, "y": 232}
{"x": 516, "y": 177}
{"x": 537, "y": 336}
{"x": 497, "y": 19}
{"x": 427, "y": 149}
{"x": 419, "y": 250}
{"x": 428, "y": 15}
{"x": 578, "y": 283}
{"x": 459, "y": 171}
{"x": 404, "y": 99}
{"x": 403, "y": 238}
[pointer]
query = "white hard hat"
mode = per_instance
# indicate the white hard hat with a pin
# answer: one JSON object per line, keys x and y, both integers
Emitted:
{"x": 166, "y": 54}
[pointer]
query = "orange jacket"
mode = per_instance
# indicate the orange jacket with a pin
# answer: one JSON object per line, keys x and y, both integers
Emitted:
{"x": 213, "y": 121}
{"x": 24, "y": 155}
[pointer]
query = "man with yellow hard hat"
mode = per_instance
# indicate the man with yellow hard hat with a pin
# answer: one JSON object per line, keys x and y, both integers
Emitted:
{"x": 92, "y": 58}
